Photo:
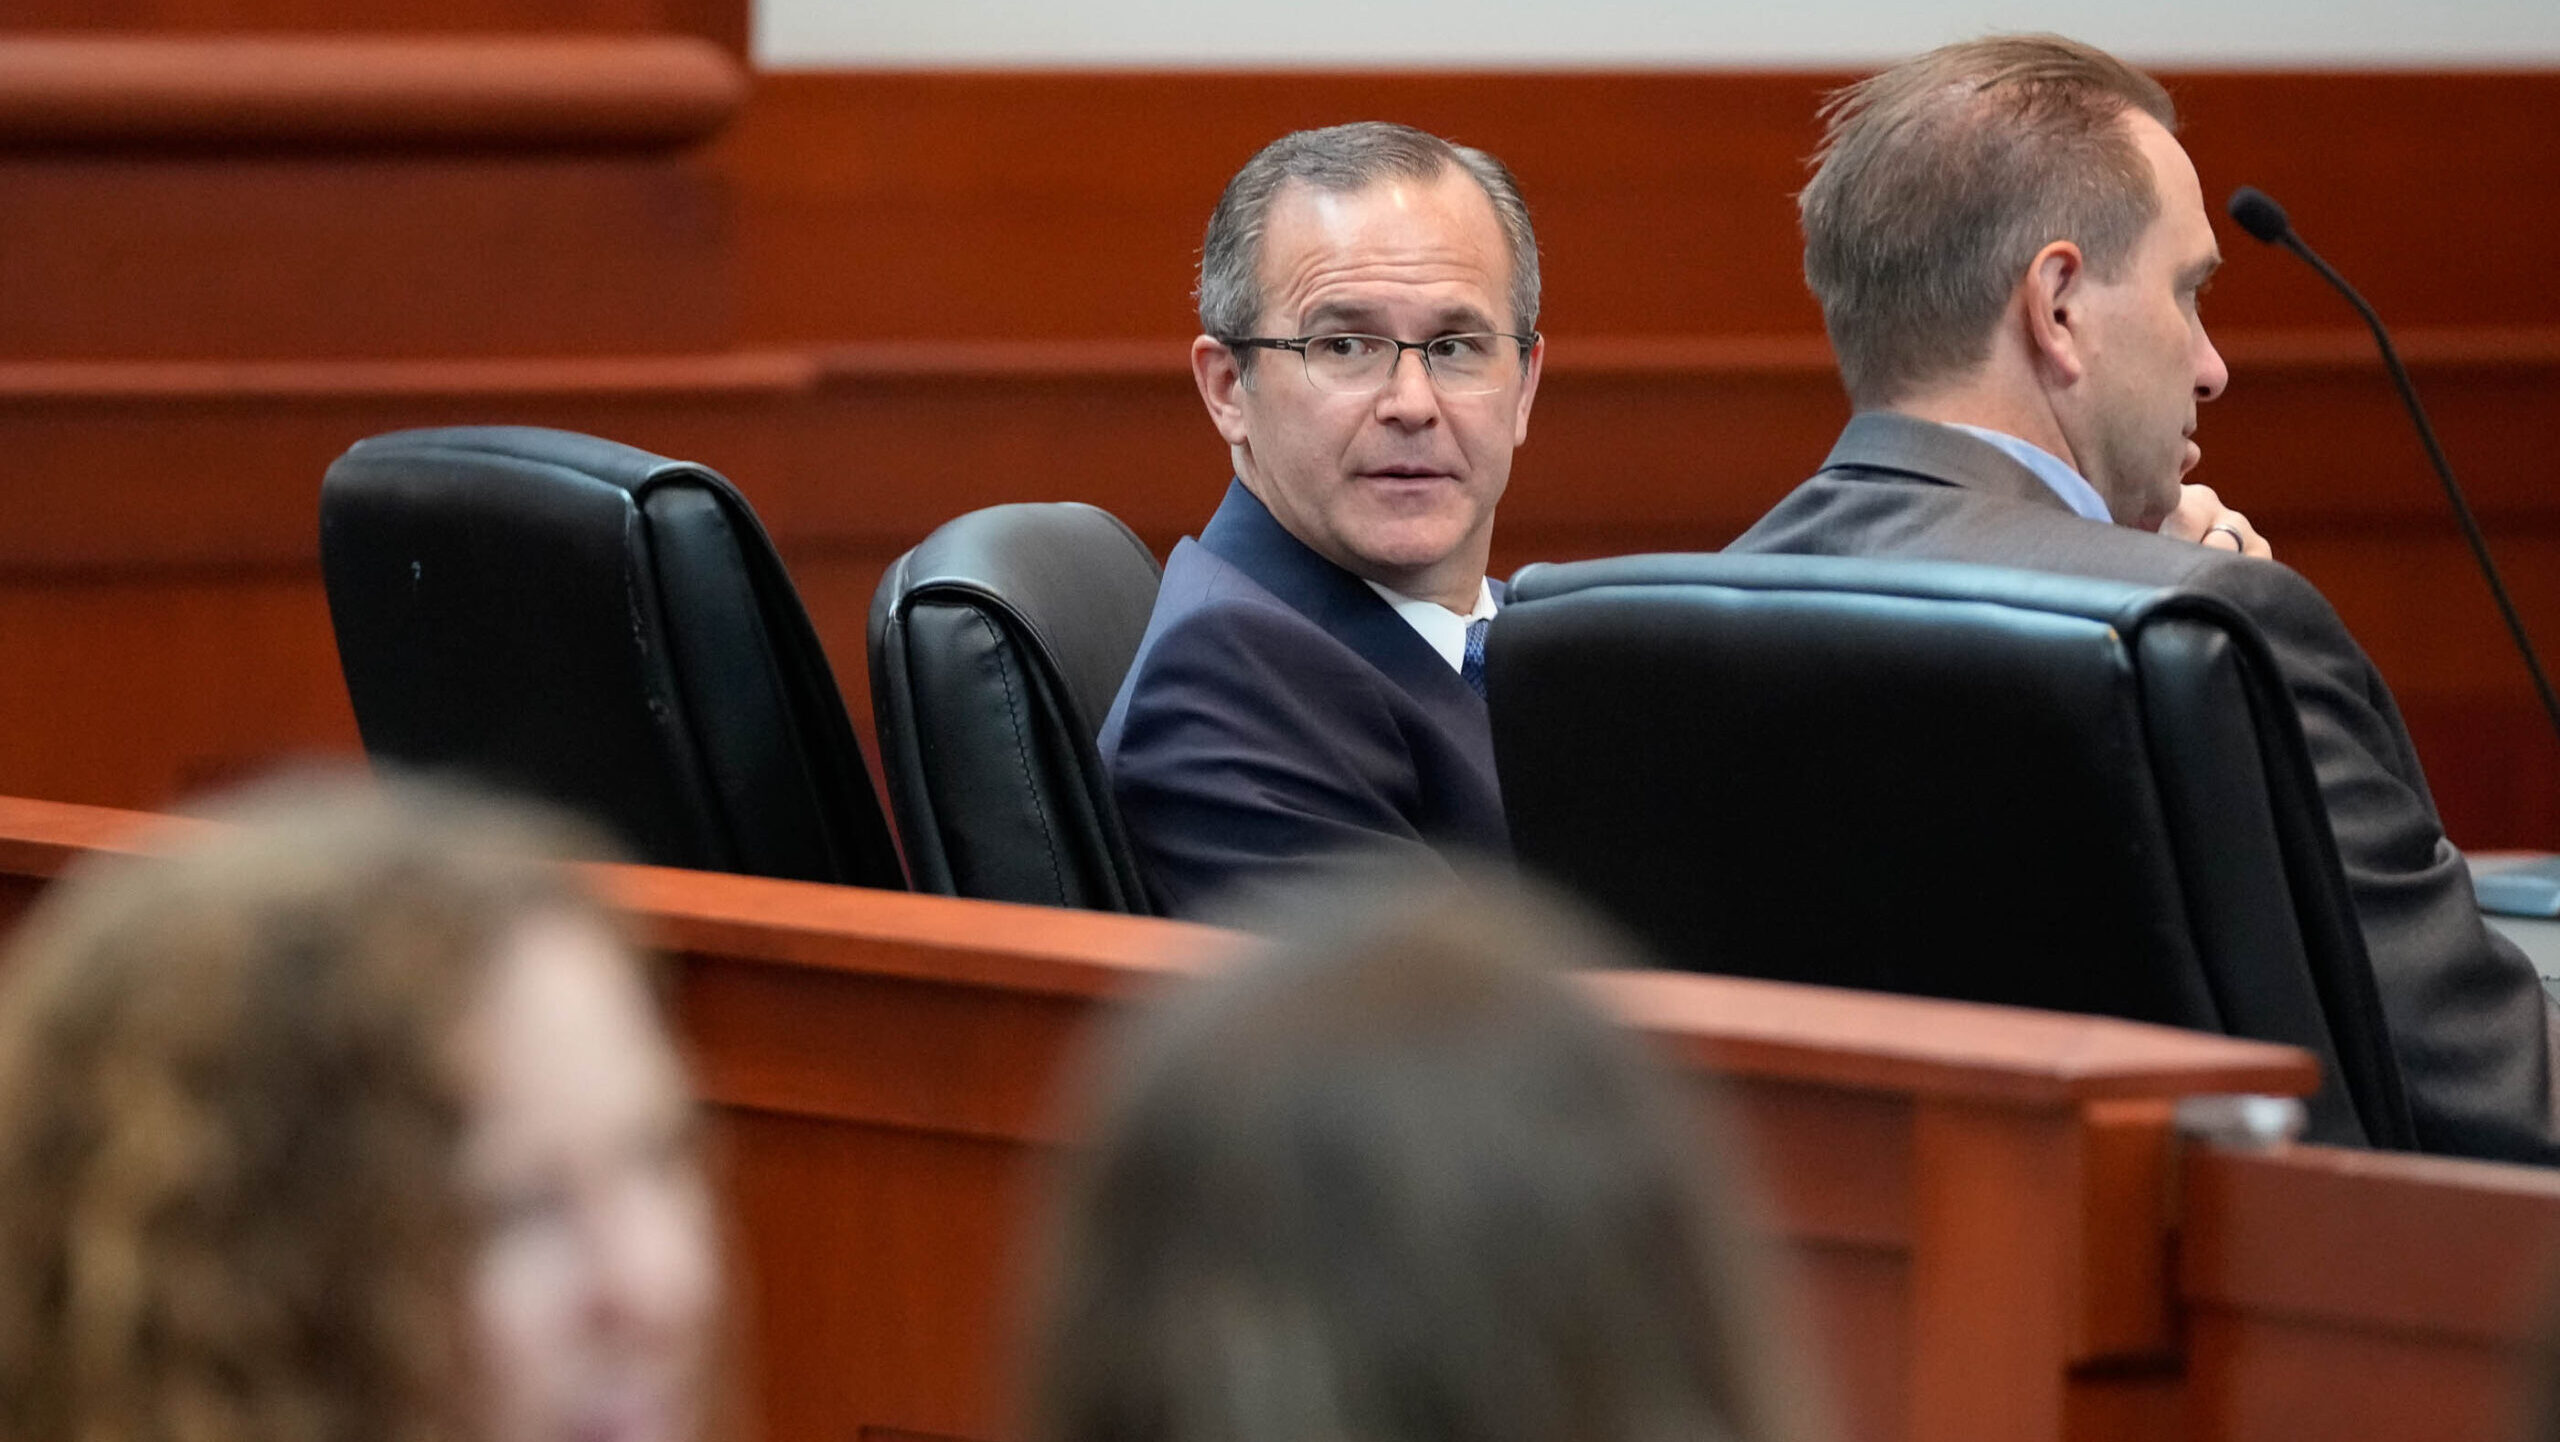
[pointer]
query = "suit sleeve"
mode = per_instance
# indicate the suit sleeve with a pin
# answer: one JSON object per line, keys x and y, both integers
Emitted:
{"x": 2468, "y": 1016}
{"x": 1258, "y": 755}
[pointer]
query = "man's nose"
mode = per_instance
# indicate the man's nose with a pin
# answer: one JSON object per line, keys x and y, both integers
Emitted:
{"x": 1408, "y": 395}
{"x": 2211, "y": 374}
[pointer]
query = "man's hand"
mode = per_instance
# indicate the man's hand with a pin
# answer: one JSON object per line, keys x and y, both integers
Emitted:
{"x": 2203, "y": 518}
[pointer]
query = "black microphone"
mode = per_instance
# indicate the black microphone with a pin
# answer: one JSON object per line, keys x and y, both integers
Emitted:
{"x": 2257, "y": 213}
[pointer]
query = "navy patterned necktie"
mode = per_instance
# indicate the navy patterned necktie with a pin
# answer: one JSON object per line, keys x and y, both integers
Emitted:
{"x": 1471, "y": 670}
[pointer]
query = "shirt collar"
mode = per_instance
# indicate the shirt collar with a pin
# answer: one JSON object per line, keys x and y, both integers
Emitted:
{"x": 1445, "y": 629}
{"x": 2069, "y": 485}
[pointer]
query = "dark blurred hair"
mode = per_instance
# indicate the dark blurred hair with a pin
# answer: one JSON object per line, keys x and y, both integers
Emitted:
{"x": 1941, "y": 178}
{"x": 1399, "y": 1183}
{"x": 229, "y": 1113}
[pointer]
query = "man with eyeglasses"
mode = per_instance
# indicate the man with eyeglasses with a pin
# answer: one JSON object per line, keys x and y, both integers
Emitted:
{"x": 1309, "y": 694}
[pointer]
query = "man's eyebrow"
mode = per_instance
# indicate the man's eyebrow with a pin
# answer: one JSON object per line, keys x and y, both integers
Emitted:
{"x": 1358, "y": 315}
{"x": 2200, "y": 272}
{"x": 1337, "y": 313}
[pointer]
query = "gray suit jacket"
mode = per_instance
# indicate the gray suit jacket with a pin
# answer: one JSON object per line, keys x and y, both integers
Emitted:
{"x": 2468, "y": 1017}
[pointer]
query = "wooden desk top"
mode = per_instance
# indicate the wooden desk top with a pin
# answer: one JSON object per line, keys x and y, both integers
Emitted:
{"x": 1733, "y": 1026}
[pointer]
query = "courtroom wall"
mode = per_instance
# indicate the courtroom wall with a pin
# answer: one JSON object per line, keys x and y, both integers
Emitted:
{"x": 1647, "y": 34}
{"x": 879, "y": 297}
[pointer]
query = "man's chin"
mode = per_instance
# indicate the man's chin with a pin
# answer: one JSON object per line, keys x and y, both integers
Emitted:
{"x": 1398, "y": 557}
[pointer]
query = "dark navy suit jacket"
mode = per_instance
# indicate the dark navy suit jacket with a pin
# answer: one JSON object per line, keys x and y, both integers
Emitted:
{"x": 1281, "y": 721}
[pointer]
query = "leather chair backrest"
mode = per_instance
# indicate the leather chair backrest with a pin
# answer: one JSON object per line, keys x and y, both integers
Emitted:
{"x": 1948, "y": 780}
{"x": 997, "y": 646}
{"x": 601, "y": 627}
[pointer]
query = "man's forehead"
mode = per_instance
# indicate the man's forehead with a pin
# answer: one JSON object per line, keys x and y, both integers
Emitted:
{"x": 2171, "y": 169}
{"x": 1449, "y": 199}
{"x": 1437, "y": 229}
{"x": 2182, "y": 219}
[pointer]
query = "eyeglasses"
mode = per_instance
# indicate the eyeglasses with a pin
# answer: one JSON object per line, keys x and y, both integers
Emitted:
{"x": 1471, "y": 363}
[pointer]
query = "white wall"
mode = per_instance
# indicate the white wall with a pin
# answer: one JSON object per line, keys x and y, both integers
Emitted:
{"x": 819, "y": 34}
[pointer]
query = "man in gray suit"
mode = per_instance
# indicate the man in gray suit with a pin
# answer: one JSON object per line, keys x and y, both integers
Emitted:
{"x": 2008, "y": 242}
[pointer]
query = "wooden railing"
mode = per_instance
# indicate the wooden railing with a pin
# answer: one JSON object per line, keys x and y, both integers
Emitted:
{"x": 1987, "y": 1220}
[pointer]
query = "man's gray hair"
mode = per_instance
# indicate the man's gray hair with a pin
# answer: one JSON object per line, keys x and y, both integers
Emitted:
{"x": 1939, "y": 181}
{"x": 1340, "y": 160}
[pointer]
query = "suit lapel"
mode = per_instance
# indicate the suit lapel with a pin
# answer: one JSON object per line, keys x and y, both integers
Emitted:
{"x": 1886, "y": 446}
{"x": 1244, "y": 534}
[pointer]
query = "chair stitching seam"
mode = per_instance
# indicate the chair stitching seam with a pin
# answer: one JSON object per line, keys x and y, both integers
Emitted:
{"x": 1013, "y": 710}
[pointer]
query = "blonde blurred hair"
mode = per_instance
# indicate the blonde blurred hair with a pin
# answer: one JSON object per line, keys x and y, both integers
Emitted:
{"x": 229, "y": 1116}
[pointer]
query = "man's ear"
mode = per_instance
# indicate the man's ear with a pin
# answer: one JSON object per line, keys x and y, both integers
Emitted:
{"x": 1222, "y": 384}
{"x": 2055, "y": 284}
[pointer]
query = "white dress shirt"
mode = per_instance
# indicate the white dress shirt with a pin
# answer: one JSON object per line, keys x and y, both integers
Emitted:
{"x": 1445, "y": 629}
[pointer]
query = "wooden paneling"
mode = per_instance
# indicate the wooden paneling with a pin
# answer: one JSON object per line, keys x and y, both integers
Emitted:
{"x": 1071, "y": 204}
{"x": 724, "y": 21}
{"x": 126, "y": 90}
{"x": 1983, "y": 1221}
{"x": 851, "y": 454}
{"x": 129, "y": 688}
{"x": 895, "y": 1074}
{"x": 878, "y": 300}
{"x": 314, "y": 257}
{"x": 2350, "y": 1296}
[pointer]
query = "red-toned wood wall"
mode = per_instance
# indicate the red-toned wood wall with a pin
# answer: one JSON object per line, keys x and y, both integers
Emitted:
{"x": 724, "y": 21}
{"x": 876, "y": 300}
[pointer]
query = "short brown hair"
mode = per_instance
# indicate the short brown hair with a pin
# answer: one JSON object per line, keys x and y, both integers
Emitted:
{"x": 1940, "y": 179}
{"x": 229, "y": 1113}
{"x": 1401, "y": 1183}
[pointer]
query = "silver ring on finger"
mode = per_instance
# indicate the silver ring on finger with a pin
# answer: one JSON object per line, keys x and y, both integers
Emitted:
{"x": 2226, "y": 528}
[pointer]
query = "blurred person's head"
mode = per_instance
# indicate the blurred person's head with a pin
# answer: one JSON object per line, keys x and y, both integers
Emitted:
{"x": 1400, "y": 1183}
{"x": 348, "y": 1120}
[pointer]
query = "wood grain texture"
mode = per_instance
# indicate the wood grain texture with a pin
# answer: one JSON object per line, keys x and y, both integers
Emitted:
{"x": 139, "y": 687}
{"x": 1971, "y": 1251}
{"x": 852, "y": 457}
{"x": 896, "y": 1075}
{"x": 2458, "y": 1249}
{"x": 877, "y": 300}
{"x": 1991, "y": 1289}
{"x": 721, "y": 20}
{"x": 336, "y": 91}
{"x": 1071, "y": 204}
{"x": 1964, "y": 1051}
{"x": 330, "y": 258}
{"x": 2353, "y": 1296}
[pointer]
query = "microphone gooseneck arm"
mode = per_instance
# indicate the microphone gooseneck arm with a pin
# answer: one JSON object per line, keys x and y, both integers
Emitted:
{"x": 2265, "y": 220}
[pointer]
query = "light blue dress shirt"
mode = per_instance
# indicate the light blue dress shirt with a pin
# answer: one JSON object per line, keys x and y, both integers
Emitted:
{"x": 2053, "y": 470}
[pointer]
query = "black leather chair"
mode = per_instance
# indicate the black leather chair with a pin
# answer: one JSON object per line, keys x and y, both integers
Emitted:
{"x": 1947, "y": 780}
{"x": 605, "y": 628}
{"x": 996, "y": 649}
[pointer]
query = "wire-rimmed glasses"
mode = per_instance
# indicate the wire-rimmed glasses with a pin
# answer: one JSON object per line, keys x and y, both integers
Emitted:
{"x": 1468, "y": 363}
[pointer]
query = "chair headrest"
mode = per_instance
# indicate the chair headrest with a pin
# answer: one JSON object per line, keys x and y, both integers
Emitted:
{"x": 1076, "y": 583}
